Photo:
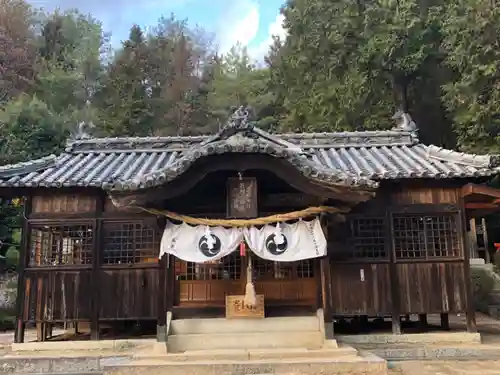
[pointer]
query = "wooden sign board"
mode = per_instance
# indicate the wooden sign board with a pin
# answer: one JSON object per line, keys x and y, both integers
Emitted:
{"x": 235, "y": 307}
{"x": 242, "y": 198}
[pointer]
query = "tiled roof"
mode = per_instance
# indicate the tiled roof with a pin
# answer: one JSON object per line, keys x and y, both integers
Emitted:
{"x": 358, "y": 159}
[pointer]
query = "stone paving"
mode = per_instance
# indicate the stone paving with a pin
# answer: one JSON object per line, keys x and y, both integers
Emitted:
{"x": 447, "y": 368}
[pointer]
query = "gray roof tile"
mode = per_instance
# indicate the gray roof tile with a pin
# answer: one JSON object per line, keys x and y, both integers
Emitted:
{"x": 355, "y": 158}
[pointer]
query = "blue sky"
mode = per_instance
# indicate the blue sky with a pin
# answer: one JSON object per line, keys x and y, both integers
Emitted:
{"x": 250, "y": 22}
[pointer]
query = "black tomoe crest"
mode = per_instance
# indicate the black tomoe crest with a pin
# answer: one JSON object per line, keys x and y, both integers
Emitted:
{"x": 273, "y": 247}
{"x": 209, "y": 251}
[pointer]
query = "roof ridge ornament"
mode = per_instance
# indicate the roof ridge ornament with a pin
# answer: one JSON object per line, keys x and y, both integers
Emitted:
{"x": 239, "y": 119}
{"x": 404, "y": 122}
{"x": 82, "y": 131}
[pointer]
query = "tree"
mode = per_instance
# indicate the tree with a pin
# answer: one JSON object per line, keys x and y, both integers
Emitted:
{"x": 237, "y": 81}
{"x": 124, "y": 96}
{"x": 348, "y": 65}
{"x": 72, "y": 47}
{"x": 178, "y": 56}
{"x": 17, "y": 49}
{"x": 471, "y": 40}
{"x": 29, "y": 130}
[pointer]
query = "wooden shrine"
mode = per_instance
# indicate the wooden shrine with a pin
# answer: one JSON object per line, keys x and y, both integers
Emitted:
{"x": 396, "y": 246}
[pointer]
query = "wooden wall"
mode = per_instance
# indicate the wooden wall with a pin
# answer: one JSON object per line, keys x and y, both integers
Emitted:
{"x": 62, "y": 287}
{"x": 381, "y": 283}
{"x": 389, "y": 284}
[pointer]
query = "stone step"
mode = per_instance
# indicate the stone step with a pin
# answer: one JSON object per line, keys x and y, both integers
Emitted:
{"x": 494, "y": 297}
{"x": 365, "y": 364}
{"x": 255, "y": 354}
{"x": 245, "y": 340}
{"x": 433, "y": 352}
{"x": 221, "y": 325}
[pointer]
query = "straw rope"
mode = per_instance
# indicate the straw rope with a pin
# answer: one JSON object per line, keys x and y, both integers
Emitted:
{"x": 295, "y": 215}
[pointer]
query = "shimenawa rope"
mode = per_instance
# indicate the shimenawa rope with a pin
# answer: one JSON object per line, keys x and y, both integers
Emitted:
{"x": 294, "y": 215}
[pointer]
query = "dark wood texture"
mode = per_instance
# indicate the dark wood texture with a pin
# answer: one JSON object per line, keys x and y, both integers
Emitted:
{"x": 129, "y": 294}
{"x": 21, "y": 281}
{"x": 431, "y": 288}
{"x": 63, "y": 204}
{"x": 57, "y": 295}
{"x": 361, "y": 289}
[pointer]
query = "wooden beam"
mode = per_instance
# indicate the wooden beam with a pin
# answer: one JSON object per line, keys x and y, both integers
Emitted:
{"x": 161, "y": 325}
{"x": 291, "y": 200}
{"x": 470, "y": 308}
{"x": 471, "y": 189}
{"x": 485, "y": 240}
{"x": 481, "y": 206}
{"x": 96, "y": 269}
{"x": 393, "y": 275}
{"x": 473, "y": 238}
{"x": 21, "y": 276}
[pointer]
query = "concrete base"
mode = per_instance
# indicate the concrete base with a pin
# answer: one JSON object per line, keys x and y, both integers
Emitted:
{"x": 419, "y": 353}
{"x": 414, "y": 338}
{"x": 355, "y": 365}
{"x": 476, "y": 261}
{"x": 104, "y": 345}
{"x": 345, "y": 360}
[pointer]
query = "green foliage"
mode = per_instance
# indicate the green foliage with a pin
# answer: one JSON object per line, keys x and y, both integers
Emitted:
{"x": 482, "y": 284}
{"x": 238, "y": 82}
{"x": 471, "y": 33}
{"x": 12, "y": 257}
{"x": 29, "y": 129}
{"x": 348, "y": 65}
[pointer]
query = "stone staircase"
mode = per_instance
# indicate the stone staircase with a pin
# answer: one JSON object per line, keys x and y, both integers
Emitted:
{"x": 230, "y": 334}
{"x": 277, "y": 346}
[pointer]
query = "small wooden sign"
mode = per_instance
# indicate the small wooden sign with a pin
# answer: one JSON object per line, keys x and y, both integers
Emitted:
{"x": 242, "y": 198}
{"x": 235, "y": 307}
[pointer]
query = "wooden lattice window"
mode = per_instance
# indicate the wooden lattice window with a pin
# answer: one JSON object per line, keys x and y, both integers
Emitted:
{"x": 227, "y": 268}
{"x": 367, "y": 237}
{"x": 426, "y": 236}
{"x": 56, "y": 245}
{"x": 130, "y": 243}
{"x": 268, "y": 270}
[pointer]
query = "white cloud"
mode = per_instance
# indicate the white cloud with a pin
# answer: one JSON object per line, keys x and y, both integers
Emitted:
{"x": 276, "y": 28}
{"x": 239, "y": 24}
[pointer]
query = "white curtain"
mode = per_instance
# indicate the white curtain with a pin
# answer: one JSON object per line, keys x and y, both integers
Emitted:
{"x": 200, "y": 243}
{"x": 287, "y": 242}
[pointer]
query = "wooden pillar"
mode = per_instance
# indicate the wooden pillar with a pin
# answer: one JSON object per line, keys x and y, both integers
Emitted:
{"x": 96, "y": 269}
{"x": 472, "y": 244}
{"x": 487, "y": 258}
{"x": 393, "y": 274}
{"x": 326, "y": 296}
{"x": 21, "y": 303}
{"x": 161, "y": 325}
{"x": 466, "y": 248}
{"x": 445, "y": 321}
{"x": 326, "y": 286}
{"x": 422, "y": 318}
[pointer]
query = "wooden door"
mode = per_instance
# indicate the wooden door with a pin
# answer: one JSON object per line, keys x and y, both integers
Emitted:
{"x": 286, "y": 284}
{"x": 282, "y": 284}
{"x": 206, "y": 285}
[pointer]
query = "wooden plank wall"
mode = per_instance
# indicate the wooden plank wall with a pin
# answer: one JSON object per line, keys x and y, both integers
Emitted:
{"x": 396, "y": 285}
{"x": 83, "y": 292}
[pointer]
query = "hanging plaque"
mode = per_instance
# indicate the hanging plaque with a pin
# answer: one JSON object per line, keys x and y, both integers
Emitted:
{"x": 242, "y": 198}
